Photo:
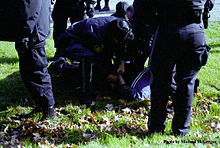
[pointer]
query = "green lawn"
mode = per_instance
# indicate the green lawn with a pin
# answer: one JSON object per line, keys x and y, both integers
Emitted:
{"x": 113, "y": 122}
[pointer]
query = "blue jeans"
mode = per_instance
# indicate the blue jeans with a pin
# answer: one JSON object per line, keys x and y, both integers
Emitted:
{"x": 183, "y": 46}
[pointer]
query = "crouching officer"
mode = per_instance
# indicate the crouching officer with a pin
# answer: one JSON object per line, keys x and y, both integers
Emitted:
{"x": 96, "y": 41}
{"x": 75, "y": 10}
{"x": 180, "y": 42}
{"x": 35, "y": 29}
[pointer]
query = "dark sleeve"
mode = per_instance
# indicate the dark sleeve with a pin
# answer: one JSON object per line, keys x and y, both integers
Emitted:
{"x": 73, "y": 33}
{"x": 32, "y": 10}
{"x": 139, "y": 20}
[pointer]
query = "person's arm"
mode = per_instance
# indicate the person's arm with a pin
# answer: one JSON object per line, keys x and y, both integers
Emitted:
{"x": 120, "y": 78}
{"x": 121, "y": 67}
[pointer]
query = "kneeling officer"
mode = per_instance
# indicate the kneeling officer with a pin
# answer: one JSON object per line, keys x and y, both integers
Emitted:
{"x": 97, "y": 40}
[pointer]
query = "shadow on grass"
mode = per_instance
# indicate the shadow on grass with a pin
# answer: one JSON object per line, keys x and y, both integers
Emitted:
{"x": 65, "y": 83}
{"x": 7, "y": 60}
{"x": 12, "y": 90}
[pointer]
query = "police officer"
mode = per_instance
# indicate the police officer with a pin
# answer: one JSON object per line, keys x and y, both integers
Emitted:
{"x": 180, "y": 42}
{"x": 73, "y": 9}
{"x": 101, "y": 38}
{"x": 30, "y": 46}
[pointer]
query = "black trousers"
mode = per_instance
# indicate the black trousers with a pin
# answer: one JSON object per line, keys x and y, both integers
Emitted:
{"x": 61, "y": 14}
{"x": 182, "y": 45}
{"x": 33, "y": 69}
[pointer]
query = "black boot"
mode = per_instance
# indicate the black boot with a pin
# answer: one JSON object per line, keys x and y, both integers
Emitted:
{"x": 49, "y": 113}
{"x": 85, "y": 100}
{"x": 98, "y": 6}
{"x": 106, "y": 7}
{"x": 196, "y": 85}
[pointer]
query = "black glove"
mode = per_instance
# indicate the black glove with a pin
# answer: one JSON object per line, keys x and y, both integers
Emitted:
{"x": 23, "y": 44}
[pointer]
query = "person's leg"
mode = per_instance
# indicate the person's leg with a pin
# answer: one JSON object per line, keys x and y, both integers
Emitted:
{"x": 33, "y": 68}
{"x": 106, "y": 7}
{"x": 98, "y": 5}
{"x": 77, "y": 12}
{"x": 60, "y": 17}
{"x": 86, "y": 77}
{"x": 162, "y": 66}
{"x": 191, "y": 56}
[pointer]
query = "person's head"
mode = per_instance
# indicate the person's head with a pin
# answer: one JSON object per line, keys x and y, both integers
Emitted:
{"x": 130, "y": 12}
{"x": 121, "y": 9}
{"x": 120, "y": 30}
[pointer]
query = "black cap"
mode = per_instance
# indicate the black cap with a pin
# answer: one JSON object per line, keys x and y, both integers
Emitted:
{"x": 122, "y": 29}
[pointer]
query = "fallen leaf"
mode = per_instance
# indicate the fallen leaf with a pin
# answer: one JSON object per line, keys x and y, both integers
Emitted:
{"x": 109, "y": 107}
{"x": 6, "y": 128}
{"x": 126, "y": 110}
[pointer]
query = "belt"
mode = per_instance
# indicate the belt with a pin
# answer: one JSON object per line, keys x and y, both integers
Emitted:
{"x": 193, "y": 16}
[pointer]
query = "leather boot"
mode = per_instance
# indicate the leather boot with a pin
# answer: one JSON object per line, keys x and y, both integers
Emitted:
{"x": 106, "y": 7}
{"x": 49, "y": 113}
{"x": 98, "y": 6}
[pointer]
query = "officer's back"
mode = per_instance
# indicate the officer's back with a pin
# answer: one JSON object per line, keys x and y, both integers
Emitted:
{"x": 180, "y": 11}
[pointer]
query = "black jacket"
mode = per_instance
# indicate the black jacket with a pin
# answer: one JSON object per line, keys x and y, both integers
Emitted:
{"x": 37, "y": 21}
{"x": 25, "y": 19}
{"x": 88, "y": 32}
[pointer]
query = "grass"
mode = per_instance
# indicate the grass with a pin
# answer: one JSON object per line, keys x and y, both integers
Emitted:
{"x": 123, "y": 126}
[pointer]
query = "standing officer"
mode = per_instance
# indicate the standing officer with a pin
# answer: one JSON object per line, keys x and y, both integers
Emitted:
{"x": 35, "y": 29}
{"x": 180, "y": 42}
{"x": 73, "y": 9}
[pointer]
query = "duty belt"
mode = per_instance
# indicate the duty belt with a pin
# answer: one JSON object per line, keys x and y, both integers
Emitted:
{"x": 193, "y": 16}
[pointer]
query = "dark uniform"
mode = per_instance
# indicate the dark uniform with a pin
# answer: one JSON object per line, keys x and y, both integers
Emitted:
{"x": 139, "y": 50}
{"x": 93, "y": 38}
{"x": 31, "y": 51}
{"x": 76, "y": 10}
{"x": 181, "y": 43}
